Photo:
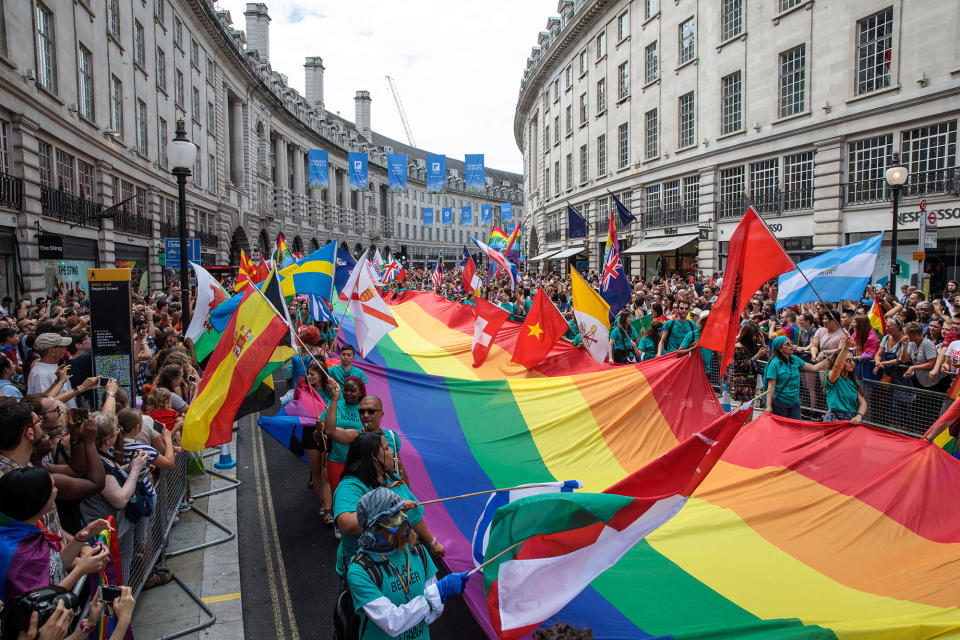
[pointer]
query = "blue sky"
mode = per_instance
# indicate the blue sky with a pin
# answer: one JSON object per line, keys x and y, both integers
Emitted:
{"x": 457, "y": 64}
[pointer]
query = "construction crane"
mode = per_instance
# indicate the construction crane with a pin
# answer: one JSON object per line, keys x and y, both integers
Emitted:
{"x": 403, "y": 115}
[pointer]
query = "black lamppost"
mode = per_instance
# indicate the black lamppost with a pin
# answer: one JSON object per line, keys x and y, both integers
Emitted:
{"x": 181, "y": 154}
{"x": 896, "y": 177}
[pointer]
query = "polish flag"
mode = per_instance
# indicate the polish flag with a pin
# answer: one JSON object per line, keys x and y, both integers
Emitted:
{"x": 489, "y": 319}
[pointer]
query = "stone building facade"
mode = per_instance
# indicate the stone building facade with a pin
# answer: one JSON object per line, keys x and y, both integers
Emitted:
{"x": 688, "y": 111}
{"x": 90, "y": 93}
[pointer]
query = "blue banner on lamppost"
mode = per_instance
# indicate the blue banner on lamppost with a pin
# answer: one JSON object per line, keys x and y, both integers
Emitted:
{"x": 317, "y": 175}
{"x": 358, "y": 171}
{"x": 475, "y": 179}
{"x": 397, "y": 171}
{"x": 436, "y": 173}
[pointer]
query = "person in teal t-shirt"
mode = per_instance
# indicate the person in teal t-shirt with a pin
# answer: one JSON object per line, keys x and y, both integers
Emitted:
{"x": 783, "y": 378}
{"x": 845, "y": 399}
{"x": 674, "y": 331}
{"x": 341, "y": 415}
{"x": 692, "y": 339}
{"x": 647, "y": 345}
{"x": 573, "y": 332}
{"x": 623, "y": 340}
{"x": 392, "y": 578}
{"x": 346, "y": 369}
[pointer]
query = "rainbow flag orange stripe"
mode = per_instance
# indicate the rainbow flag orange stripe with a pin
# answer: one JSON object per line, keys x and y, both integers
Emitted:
{"x": 801, "y": 530}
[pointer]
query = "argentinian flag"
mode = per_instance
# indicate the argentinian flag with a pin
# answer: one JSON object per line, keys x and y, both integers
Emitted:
{"x": 840, "y": 274}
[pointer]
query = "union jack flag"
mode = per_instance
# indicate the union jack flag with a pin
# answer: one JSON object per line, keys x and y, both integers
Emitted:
{"x": 614, "y": 287}
{"x": 390, "y": 269}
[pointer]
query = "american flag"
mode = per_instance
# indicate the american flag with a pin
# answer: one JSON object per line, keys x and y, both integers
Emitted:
{"x": 438, "y": 274}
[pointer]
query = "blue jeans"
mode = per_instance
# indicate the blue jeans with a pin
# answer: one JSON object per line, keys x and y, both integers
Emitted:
{"x": 838, "y": 416}
{"x": 786, "y": 411}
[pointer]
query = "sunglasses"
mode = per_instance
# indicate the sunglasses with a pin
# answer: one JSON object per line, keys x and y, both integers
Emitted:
{"x": 367, "y": 411}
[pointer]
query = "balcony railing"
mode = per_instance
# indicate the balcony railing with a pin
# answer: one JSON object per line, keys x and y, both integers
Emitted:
{"x": 925, "y": 183}
{"x": 68, "y": 207}
{"x": 671, "y": 216}
{"x": 555, "y": 235}
{"x": 209, "y": 239}
{"x": 769, "y": 203}
{"x": 11, "y": 191}
{"x": 133, "y": 223}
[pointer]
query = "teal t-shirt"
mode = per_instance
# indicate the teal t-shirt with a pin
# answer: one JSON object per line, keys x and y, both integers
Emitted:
{"x": 787, "y": 376}
{"x": 573, "y": 333}
{"x": 340, "y": 375}
{"x": 345, "y": 500}
{"x": 364, "y": 590}
{"x": 507, "y": 306}
{"x": 705, "y": 354}
{"x": 678, "y": 331}
{"x": 347, "y": 418}
{"x": 648, "y": 347}
{"x": 841, "y": 395}
{"x": 621, "y": 339}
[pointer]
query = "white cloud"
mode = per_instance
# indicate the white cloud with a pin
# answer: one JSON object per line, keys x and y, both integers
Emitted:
{"x": 457, "y": 64}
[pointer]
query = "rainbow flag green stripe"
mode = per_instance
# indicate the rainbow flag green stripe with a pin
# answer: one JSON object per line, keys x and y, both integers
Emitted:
{"x": 800, "y": 530}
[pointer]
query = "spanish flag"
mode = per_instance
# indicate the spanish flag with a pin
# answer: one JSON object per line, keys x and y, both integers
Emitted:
{"x": 876, "y": 318}
{"x": 255, "y": 343}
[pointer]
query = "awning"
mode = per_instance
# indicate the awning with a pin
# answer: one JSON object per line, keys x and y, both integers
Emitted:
{"x": 542, "y": 256}
{"x": 566, "y": 253}
{"x": 660, "y": 244}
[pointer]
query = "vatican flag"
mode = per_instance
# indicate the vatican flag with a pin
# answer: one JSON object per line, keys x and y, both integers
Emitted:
{"x": 593, "y": 315}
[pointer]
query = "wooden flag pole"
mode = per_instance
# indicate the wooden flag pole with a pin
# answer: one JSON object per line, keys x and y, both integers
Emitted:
{"x": 480, "y": 493}
{"x": 486, "y": 562}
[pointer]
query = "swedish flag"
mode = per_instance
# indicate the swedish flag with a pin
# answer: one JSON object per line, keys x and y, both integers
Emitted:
{"x": 311, "y": 275}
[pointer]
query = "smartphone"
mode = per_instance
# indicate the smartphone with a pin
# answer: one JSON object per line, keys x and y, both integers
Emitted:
{"x": 103, "y": 381}
{"x": 109, "y": 593}
{"x": 191, "y": 378}
{"x": 79, "y": 415}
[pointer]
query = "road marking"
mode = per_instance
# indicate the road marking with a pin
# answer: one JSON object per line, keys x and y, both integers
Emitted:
{"x": 268, "y": 522}
{"x": 226, "y": 597}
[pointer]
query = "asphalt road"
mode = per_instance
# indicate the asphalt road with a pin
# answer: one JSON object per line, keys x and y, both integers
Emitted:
{"x": 287, "y": 555}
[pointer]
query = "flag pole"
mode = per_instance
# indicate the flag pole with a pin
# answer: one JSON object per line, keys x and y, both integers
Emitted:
{"x": 480, "y": 493}
{"x": 486, "y": 562}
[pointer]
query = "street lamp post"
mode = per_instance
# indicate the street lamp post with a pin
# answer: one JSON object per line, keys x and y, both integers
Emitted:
{"x": 896, "y": 177}
{"x": 182, "y": 154}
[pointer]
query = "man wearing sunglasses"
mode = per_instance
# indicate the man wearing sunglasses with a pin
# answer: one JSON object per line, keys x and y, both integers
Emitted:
{"x": 674, "y": 331}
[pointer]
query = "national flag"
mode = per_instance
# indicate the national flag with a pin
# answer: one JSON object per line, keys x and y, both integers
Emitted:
{"x": 210, "y": 295}
{"x": 320, "y": 309}
{"x": 593, "y": 315}
{"x": 378, "y": 261}
{"x": 481, "y": 533}
{"x": 568, "y": 539}
{"x": 613, "y": 282}
{"x": 576, "y": 224}
{"x": 256, "y": 339}
{"x": 438, "y": 274}
{"x": 625, "y": 216}
{"x": 488, "y": 318}
{"x": 498, "y": 259}
{"x": 351, "y": 281}
{"x": 468, "y": 271}
{"x": 754, "y": 256}
{"x": 344, "y": 266}
{"x": 245, "y": 273}
{"x": 839, "y": 274}
{"x": 24, "y": 558}
{"x": 371, "y": 316}
{"x": 282, "y": 255}
{"x": 390, "y": 269}
{"x": 541, "y": 329}
{"x": 313, "y": 274}
{"x": 876, "y": 318}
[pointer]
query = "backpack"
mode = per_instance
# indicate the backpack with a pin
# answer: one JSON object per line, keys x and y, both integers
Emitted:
{"x": 141, "y": 503}
{"x": 346, "y": 621}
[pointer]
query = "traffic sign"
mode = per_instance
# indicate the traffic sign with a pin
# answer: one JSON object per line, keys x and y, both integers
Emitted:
{"x": 919, "y": 256}
{"x": 172, "y": 251}
{"x": 932, "y": 219}
{"x": 255, "y": 256}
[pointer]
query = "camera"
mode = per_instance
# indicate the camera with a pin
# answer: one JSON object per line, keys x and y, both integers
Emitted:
{"x": 16, "y": 615}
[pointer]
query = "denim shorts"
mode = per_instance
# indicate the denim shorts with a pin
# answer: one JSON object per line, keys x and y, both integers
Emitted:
{"x": 838, "y": 416}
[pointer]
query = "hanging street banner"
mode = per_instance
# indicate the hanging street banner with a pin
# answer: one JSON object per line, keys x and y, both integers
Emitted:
{"x": 428, "y": 216}
{"x": 466, "y": 215}
{"x": 486, "y": 214}
{"x": 506, "y": 212}
{"x": 436, "y": 173}
{"x": 475, "y": 179}
{"x": 397, "y": 171}
{"x": 510, "y": 228}
{"x": 317, "y": 175}
{"x": 446, "y": 216}
{"x": 358, "y": 171}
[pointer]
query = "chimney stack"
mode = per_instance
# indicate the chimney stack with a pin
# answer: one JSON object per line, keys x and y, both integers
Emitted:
{"x": 314, "y": 81}
{"x": 362, "y": 104}
{"x": 258, "y": 29}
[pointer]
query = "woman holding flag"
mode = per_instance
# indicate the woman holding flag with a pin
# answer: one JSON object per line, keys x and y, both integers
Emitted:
{"x": 782, "y": 376}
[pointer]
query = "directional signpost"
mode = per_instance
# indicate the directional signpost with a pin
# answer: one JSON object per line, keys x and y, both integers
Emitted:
{"x": 172, "y": 250}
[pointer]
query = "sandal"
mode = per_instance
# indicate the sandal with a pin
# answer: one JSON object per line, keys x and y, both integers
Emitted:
{"x": 327, "y": 517}
{"x": 158, "y": 578}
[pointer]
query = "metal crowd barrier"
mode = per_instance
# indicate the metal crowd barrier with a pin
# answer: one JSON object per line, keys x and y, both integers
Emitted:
{"x": 902, "y": 408}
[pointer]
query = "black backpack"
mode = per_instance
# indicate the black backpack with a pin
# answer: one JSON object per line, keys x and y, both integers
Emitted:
{"x": 346, "y": 621}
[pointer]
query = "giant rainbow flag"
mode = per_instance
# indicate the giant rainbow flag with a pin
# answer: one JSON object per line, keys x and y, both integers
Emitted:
{"x": 802, "y": 530}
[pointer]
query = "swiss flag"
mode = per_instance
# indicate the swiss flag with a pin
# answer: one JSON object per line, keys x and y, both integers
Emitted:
{"x": 488, "y": 320}
{"x": 541, "y": 329}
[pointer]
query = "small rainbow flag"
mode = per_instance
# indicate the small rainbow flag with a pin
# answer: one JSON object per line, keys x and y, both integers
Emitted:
{"x": 876, "y": 319}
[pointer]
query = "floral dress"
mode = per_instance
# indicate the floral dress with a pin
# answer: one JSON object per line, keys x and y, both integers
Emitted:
{"x": 742, "y": 376}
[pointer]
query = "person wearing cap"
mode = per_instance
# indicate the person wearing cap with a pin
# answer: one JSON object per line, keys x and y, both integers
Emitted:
{"x": 407, "y": 597}
{"x": 782, "y": 376}
{"x": 50, "y": 348}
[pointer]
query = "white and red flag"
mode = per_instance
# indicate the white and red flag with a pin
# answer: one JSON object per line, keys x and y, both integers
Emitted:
{"x": 371, "y": 316}
{"x": 438, "y": 274}
{"x": 471, "y": 281}
{"x": 488, "y": 318}
{"x": 498, "y": 258}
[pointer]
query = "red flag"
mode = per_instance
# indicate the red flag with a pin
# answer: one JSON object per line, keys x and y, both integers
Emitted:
{"x": 488, "y": 320}
{"x": 470, "y": 280}
{"x": 263, "y": 270}
{"x": 244, "y": 272}
{"x": 541, "y": 329}
{"x": 754, "y": 257}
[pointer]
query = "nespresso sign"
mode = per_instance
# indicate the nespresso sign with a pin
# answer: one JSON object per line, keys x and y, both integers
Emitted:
{"x": 51, "y": 246}
{"x": 942, "y": 214}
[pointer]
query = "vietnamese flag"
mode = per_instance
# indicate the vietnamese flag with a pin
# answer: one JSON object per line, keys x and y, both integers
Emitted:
{"x": 541, "y": 329}
{"x": 754, "y": 257}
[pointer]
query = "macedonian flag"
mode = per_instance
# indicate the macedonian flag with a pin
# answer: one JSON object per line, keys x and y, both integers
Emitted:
{"x": 256, "y": 341}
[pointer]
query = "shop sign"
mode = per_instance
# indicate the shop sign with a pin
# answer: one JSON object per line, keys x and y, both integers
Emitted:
{"x": 940, "y": 215}
{"x": 50, "y": 245}
{"x": 671, "y": 231}
{"x": 111, "y": 327}
{"x": 776, "y": 227}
